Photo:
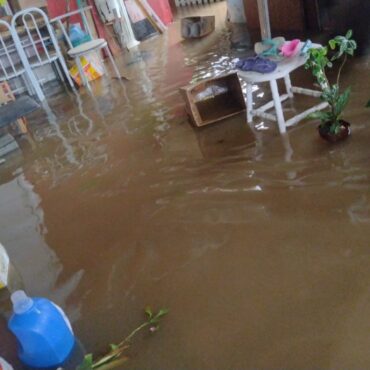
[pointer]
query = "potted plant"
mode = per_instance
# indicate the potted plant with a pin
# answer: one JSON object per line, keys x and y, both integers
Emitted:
{"x": 332, "y": 127}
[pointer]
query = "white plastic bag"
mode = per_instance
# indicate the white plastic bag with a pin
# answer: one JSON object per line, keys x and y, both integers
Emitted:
{"x": 4, "y": 365}
{"x": 4, "y": 267}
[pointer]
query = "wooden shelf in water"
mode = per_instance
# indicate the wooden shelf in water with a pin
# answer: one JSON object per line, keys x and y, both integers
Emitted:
{"x": 214, "y": 99}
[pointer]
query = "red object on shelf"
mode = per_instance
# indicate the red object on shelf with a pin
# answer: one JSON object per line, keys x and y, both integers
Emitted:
{"x": 163, "y": 10}
{"x": 58, "y": 7}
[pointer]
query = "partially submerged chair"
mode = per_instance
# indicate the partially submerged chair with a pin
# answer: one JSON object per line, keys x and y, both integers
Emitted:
{"x": 79, "y": 51}
{"x": 39, "y": 41}
{"x": 14, "y": 62}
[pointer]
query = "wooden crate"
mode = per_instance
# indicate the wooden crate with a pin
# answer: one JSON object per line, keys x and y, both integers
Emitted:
{"x": 197, "y": 27}
{"x": 214, "y": 99}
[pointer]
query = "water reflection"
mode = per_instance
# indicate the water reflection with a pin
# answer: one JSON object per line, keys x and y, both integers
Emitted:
{"x": 23, "y": 231}
{"x": 359, "y": 211}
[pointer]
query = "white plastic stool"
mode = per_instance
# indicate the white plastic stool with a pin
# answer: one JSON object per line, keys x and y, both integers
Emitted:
{"x": 79, "y": 51}
{"x": 283, "y": 70}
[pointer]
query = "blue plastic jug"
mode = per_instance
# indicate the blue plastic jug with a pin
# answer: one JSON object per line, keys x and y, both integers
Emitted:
{"x": 43, "y": 331}
{"x": 77, "y": 35}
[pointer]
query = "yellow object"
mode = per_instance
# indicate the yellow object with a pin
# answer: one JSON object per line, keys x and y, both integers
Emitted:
{"x": 6, "y": 96}
{"x": 92, "y": 69}
{"x": 4, "y": 267}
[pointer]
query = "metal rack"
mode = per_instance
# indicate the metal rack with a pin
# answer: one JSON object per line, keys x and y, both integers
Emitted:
{"x": 14, "y": 62}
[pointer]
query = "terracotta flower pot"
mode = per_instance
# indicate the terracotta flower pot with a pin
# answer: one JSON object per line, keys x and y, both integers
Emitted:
{"x": 324, "y": 131}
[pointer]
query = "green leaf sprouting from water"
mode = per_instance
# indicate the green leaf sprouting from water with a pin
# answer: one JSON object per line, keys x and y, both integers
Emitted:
{"x": 115, "y": 357}
{"x": 87, "y": 363}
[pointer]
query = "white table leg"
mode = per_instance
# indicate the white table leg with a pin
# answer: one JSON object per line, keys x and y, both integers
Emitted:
{"x": 249, "y": 103}
{"x": 113, "y": 62}
{"x": 29, "y": 87}
{"x": 288, "y": 86}
{"x": 278, "y": 107}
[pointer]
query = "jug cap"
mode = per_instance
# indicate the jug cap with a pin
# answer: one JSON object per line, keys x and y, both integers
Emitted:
{"x": 21, "y": 302}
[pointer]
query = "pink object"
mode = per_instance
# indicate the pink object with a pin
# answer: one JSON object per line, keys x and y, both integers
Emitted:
{"x": 163, "y": 10}
{"x": 57, "y": 8}
{"x": 291, "y": 48}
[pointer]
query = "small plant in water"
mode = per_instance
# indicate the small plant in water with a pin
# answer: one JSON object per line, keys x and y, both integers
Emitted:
{"x": 115, "y": 357}
{"x": 318, "y": 62}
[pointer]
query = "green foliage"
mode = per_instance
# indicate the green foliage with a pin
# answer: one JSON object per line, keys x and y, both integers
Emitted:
{"x": 3, "y": 2}
{"x": 154, "y": 319}
{"x": 115, "y": 357}
{"x": 87, "y": 363}
{"x": 343, "y": 45}
{"x": 318, "y": 62}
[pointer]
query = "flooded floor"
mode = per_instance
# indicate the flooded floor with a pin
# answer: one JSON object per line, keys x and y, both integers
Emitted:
{"x": 258, "y": 244}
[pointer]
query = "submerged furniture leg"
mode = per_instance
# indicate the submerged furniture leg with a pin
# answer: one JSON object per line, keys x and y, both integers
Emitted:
{"x": 84, "y": 80}
{"x": 34, "y": 83}
{"x": 288, "y": 86}
{"x": 29, "y": 88}
{"x": 66, "y": 73}
{"x": 249, "y": 103}
{"x": 113, "y": 62}
{"x": 278, "y": 107}
{"x": 59, "y": 72}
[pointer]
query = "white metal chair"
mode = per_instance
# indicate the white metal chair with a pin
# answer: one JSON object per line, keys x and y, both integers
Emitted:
{"x": 283, "y": 71}
{"x": 87, "y": 47}
{"x": 39, "y": 41}
{"x": 14, "y": 63}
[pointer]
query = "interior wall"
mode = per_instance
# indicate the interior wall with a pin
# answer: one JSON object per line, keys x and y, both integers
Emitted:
{"x": 338, "y": 16}
{"x": 22, "y": 4}
{"x": 285, "y": 15}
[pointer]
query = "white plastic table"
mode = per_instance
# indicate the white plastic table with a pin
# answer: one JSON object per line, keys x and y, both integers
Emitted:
{"x": 283, "y": 70}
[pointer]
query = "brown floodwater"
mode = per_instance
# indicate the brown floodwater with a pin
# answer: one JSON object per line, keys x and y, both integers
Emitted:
{"x": 259, "y": 244}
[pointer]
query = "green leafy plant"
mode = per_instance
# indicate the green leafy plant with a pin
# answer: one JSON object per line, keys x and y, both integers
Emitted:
{"x": 319, "y": 61}
{"x": 3, "y": 2}
{"x": 115, "y": 357}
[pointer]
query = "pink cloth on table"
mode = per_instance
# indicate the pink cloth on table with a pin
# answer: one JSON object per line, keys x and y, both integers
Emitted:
{"x": 291, "y": 48}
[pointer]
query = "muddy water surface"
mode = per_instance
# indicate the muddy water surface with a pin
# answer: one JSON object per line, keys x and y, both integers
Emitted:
{"x": 257, "y": 243}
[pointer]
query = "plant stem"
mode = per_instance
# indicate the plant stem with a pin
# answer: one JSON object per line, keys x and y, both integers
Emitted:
{"x": 129, "y": 337}
{"x": 322, "y": 79}
{"x": 340, "y": 69}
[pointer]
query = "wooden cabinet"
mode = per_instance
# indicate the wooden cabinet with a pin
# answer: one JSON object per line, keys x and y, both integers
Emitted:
{"x": 285, "y": 15}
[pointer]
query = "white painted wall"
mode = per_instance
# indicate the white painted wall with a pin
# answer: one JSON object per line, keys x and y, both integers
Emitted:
{"x": 235, "y": 11}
